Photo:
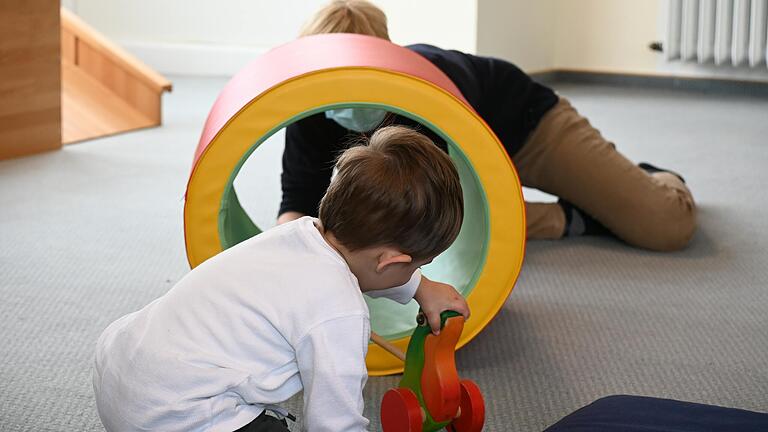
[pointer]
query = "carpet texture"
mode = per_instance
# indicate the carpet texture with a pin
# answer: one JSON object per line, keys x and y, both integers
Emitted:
{"x": 93, "y": 232}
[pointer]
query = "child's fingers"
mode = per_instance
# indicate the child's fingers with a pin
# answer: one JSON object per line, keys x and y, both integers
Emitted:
{"x": 461, "y": 306}
{"x": 434, "y": 322}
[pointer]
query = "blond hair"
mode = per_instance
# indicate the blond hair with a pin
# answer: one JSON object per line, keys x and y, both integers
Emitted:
{"x": 399, "y": 190}
{"x": 348, "y": 16}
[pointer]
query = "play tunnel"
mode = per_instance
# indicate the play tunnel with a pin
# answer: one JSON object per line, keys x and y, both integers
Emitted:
{"x": 323, "y": 72}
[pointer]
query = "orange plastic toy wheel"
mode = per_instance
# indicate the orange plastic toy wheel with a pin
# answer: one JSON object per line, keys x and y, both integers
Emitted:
{"x": 472, "y": 407}
{"x": 400, "y": 411}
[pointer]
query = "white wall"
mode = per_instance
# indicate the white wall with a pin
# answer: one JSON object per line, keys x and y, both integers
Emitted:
{"x": 445, "y": 23}
{"x": 613, "y": 36}
{"x": 587, "y": 35}
{"x": 201, "y": 37}
{"x": 218, "y": 38}
{"x": 545, "y": 35}
{"x": 606, "y": 35}
{"x": 522, "y": 31}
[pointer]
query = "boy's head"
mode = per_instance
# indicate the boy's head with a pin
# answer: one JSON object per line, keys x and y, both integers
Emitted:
{"x": 348, "y": 16}
{"x": 397, "y": 199}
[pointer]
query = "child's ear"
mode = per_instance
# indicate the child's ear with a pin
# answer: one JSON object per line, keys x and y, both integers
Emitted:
{"x": 391, "y": 256}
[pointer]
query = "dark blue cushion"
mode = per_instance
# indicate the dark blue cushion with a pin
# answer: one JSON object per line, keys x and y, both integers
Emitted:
{"x": 646, "y": 414}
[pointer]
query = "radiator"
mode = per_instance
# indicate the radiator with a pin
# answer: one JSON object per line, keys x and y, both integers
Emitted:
{"x": 718, "y": 31}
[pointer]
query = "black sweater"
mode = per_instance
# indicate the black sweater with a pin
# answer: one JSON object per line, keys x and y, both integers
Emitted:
{"x": 503, "y": 95}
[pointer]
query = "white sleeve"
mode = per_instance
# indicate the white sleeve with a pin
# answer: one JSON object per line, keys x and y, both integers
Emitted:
{"x": 401, "y": 294}
{"x": 331, "y": 360}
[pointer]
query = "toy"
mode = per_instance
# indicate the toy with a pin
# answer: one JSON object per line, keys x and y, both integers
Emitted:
{"x": 317, "y": 73}
{"x": 430, "y": 396}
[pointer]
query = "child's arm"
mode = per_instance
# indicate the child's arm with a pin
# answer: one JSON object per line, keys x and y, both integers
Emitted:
{"x": 435, "y": 297}
{"x": 401, "y": 294}
{"x": 310, "y": 149}
{"x": 331, "y": 360}
{"x": 289, "y": 216}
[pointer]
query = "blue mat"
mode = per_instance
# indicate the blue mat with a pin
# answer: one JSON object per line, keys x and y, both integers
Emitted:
{"x": 646, "y": 414}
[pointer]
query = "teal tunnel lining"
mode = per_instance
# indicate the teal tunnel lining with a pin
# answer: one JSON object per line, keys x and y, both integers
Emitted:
{"x": 460, "y": 265}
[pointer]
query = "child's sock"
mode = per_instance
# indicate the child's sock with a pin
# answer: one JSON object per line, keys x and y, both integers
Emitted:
{"x": 650, "y": 169}
{"x": 578, "y": 223}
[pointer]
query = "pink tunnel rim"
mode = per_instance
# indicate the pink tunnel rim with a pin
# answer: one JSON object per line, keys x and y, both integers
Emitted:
{"x": 311, "y": 54}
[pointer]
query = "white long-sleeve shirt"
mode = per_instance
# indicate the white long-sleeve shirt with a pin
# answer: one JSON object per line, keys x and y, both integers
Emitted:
{"x": 246, "y": 329}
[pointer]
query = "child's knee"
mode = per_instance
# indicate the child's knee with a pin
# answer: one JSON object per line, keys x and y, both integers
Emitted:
{"x": 676, "y": 237}
{"x": 667, "y": 226}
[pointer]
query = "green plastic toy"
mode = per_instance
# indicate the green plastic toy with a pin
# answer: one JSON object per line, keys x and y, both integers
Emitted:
{"x": 430, "y": 395}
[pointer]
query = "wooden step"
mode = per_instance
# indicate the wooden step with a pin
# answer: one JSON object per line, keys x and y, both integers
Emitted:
{"x": 90, "y": 110}
{"x": 105, "y": 90}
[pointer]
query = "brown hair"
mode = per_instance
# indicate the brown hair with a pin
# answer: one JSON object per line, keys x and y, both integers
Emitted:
{"x": 348, "y": 16}
{"x": 399, "y": 190}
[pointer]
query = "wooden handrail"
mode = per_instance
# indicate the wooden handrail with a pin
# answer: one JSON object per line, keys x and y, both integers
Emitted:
{"x": 113, "y": 52}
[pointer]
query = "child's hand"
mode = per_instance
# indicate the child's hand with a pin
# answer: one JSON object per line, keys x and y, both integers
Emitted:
{"x": 435, "y": 297}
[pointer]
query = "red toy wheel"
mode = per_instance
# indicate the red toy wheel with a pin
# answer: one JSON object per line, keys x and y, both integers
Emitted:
{"x": 472, "y": 408}
{"x": 400, "y": 411}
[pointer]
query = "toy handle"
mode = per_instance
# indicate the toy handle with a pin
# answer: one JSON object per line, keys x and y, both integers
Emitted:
{"x": 387, "y": 346}
{"x": 439, "y": 379}
{"x": 421, "y": 317}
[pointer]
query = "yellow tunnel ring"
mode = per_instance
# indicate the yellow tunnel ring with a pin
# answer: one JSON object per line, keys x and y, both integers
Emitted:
{"x": 503, "y": 246}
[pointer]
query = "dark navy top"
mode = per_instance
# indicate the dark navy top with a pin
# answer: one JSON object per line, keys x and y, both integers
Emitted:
{"x": 503, "y": 95}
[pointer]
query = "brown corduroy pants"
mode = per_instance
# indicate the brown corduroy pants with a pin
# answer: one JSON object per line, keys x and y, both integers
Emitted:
{"x": 567, "y": 157}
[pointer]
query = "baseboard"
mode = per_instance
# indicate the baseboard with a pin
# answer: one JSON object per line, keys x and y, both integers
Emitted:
{"x": 664, "y": 82}
{"x": 194, "y": 59}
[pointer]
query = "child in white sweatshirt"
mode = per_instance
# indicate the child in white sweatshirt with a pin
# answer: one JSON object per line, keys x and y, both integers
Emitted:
{"x": 284, "y": 311}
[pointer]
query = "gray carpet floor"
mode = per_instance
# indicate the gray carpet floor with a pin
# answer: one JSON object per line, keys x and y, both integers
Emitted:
{"x": 94, "y": 231}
